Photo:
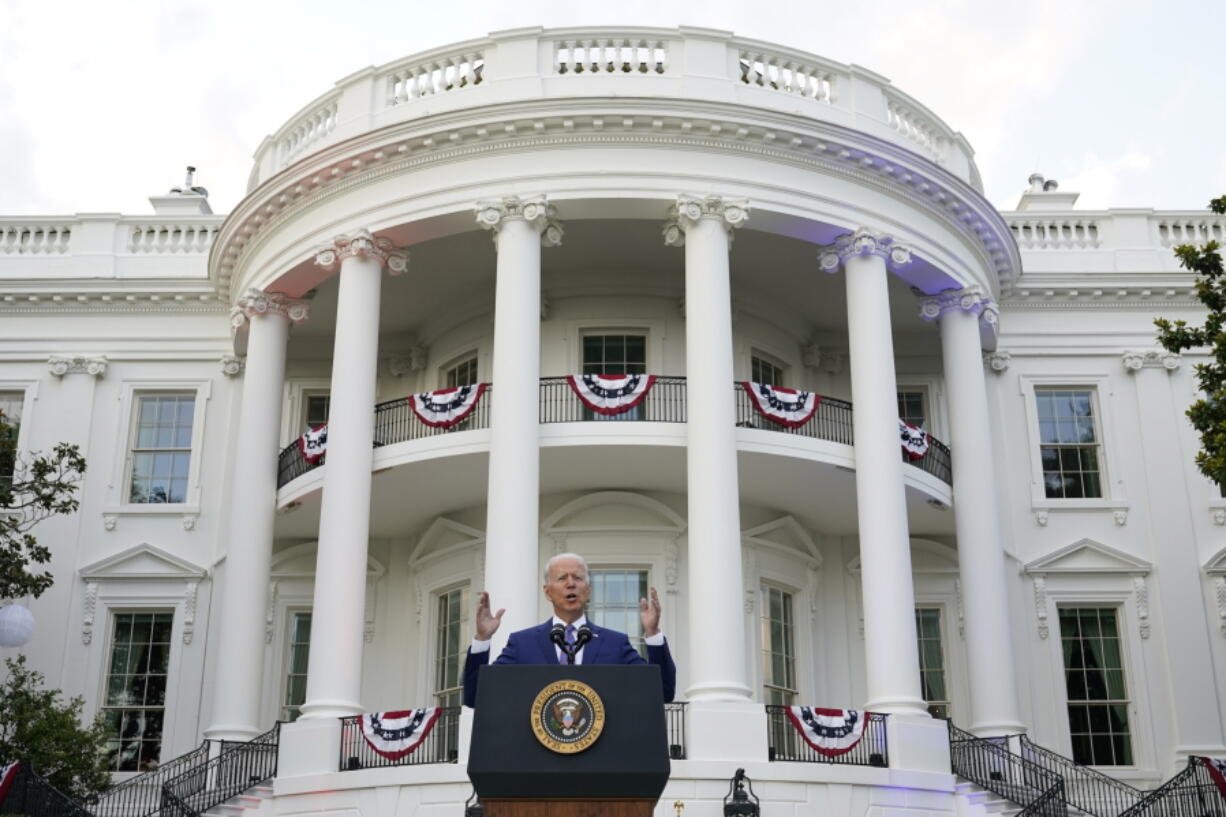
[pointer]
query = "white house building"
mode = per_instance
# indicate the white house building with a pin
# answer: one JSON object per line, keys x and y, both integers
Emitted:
{"x": 681, "y": 203}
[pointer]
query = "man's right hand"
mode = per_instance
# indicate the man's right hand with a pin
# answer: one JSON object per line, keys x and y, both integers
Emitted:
{"x": 487, "y": 622}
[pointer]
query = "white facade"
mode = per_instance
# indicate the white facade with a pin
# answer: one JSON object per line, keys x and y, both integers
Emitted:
{"x": 725, "y": 200}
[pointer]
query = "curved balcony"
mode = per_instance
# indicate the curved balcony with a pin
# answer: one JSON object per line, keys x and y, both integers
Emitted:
{"x": 395, "y": 422}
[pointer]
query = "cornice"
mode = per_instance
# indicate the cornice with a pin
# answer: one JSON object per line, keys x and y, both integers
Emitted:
{"x": 111, "y": 301}
{"x": 553, "y": 124}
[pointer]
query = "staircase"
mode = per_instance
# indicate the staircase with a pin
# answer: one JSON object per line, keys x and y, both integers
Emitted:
{"x": 247, "y": 804}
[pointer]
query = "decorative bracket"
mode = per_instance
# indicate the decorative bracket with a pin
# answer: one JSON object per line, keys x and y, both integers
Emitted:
{"x": 78, "y": 364}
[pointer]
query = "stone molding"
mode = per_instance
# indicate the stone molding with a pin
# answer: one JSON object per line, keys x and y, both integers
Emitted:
{"x": 363, "y": 244}
{"x": 688, "y": 210}
{"x": 258, "y": 302}
{"x": 970, "y": 299}
{"x": 59, "y": 365}
{"x": 863, "y": 242}
{"x": 539, "y": 214}
{"x": 1152, "y": 358}
{"x": 232, "y": 365}
{"x": 998, "y": 361}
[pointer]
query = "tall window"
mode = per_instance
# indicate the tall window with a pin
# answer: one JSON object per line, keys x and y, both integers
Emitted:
{"x": 296, "y": 666}
{"x": 762, "y": 370}
{"x": 1097, "y": 694}
{"x": 10, "y": 414}
{"x": 911, "y": 408}
{"x": 932, "y": 661}
{"x": 135, "y": 702}
{"x": 778, "y": 647}
{"x": 315, "y": 409}
{"x": 615, "y": 602}
{"x": 463, "y": 373}
{"x": 615, "y": 354}
{"x": 1068, "y": 444}
{"x": 449, "y": 645}
{"x": 162, "y": 449}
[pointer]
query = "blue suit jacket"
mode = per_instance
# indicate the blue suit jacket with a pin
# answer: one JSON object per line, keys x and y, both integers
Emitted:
{"x": 532, "y": 646}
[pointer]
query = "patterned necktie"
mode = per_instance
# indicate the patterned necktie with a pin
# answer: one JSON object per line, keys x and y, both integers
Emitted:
{"x": 570, "y": 638}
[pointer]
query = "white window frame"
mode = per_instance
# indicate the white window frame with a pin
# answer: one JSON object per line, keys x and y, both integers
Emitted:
{"x": 796, "y": 597}
{"x": 756, "y": 351}
{"x": 121, "y": 476}
{"x": 292, "y": 608}
{"x": 946, "y": 662}
{"x": 653, "y": 333}
{"x": 1099, "y": 385}
{"x": 454, "y": 361}
{"x": 934, "y": 401}
{"x": 29, "y": 392}
{"x": 1058, "y": 635}
{"x": 293, "y": 411}
{"x": 626, "y": 567}
{"x": 108, "y": 645}
{"x": 466, "y": 635}
{"x": 767, "y": 562}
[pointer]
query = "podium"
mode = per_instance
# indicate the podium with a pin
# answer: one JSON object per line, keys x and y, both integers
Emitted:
{"x": 533, "y": 753}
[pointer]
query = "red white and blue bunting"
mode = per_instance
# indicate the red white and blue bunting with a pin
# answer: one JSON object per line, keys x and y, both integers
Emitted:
{"x": 914, "y": 440}
{"x": 611, "y": 394}
{"x": 831, "y": 732}
{"x": 7, "y": 775}
{"x": 314, "y": 444}
{"x": 395, "y": 734}
{"x": 446, "y": 407}
{"x": 787, "y": 407}
{"x": 1217, "y": 771}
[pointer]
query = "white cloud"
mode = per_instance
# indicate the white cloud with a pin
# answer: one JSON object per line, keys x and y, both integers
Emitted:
{"x": 1109, "y": 181}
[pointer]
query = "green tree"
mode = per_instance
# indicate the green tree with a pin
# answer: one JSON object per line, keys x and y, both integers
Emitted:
{"x": 37, "y": 726}
{"x": 1208, "y": 415}
{"x": 33, "y": 487}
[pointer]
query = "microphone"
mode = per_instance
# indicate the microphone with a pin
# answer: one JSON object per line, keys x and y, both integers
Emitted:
{"x": 583, "y": 636}
{"x": 557, "y": 634}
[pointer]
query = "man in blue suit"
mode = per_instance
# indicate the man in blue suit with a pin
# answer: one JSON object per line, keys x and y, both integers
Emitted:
{"x": 568, "y": 590}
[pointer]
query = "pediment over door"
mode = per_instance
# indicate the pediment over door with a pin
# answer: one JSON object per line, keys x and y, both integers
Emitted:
{"x": 1088, "y": 556}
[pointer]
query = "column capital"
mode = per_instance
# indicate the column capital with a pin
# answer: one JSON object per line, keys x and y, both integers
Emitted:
{"x": 539, "y": 214}
{"x": 1151, "y": 358}
{"x": 971, "y": 299}
{"x": 863, "y": 242}
{"x": 363, "y": 244}
{"x": 258, "y": 302}
{"x": 688, "y": 210}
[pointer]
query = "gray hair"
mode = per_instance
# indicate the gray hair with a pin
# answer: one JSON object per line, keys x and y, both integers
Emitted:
{"x": 558, "y": 557}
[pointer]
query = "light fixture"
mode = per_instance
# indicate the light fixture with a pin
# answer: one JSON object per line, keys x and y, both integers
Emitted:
{"x": 16, "y": 625}
{"x": 737, "y": 803}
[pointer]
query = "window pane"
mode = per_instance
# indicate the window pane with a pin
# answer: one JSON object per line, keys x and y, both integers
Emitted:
{"x": 136, "y": 687}
{"x": 161, "y": 455}
{"x": 1095, "y": 686}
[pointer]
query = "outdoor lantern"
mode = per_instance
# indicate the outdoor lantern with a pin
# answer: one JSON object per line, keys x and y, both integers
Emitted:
{"x": 737, "y": 802}
{"x": 16, "y": 625}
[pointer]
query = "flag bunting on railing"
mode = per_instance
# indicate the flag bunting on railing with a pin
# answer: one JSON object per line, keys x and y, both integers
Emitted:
{"x": 787, "y": 407}
{"x": 314, "y": 443}
{"x": 446, "y": 407}
{"x": 914, "y": 440}
{"x": 7, "y": 775}
{"x": 395, "y": 734}
{"x": 831, "y": 732}
{"x": 1217, "y": 771}
{"x": 611, "y": 394}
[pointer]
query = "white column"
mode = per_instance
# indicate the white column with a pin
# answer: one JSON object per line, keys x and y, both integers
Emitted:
{"x": 981, "y": 555}
{"x": 334, "y": 673}
{"x": 238, "y": 679}
{"x": 512, "y": 569}
{"x": 891, "y": 655}
{"x": 716, "y": 649}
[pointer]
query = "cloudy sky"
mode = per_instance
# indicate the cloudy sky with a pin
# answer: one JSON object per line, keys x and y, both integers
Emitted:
{"x": 103, "y": 103}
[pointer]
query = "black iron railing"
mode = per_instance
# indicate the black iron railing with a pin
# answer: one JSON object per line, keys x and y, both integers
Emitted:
{"x": 674, "y": 715}
{"x": 1085, "y": 788}
{"x": 31, "y": 795}
{"x": 141, "y": 796}
{"x": 990, "y": 764}
{"x": 237, "y": 767}
{"x": 784, "y": 743}
{"x": 395, "y": 422}
{"x": 1191, "y": 793}
{"x": 440, "y": 746}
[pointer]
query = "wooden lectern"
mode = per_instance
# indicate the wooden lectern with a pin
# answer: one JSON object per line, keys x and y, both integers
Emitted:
{"x": 522, "y": 711}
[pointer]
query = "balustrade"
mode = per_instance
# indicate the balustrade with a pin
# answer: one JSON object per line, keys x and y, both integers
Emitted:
{"x": 1060, "y": 232}
{"x": 436, "y": 76}
{"x": 307, "y": 129}
{"x": 153, "y": 238}
{"x": 611, "y": 55}
{"x": 785, "y": 743}
{"x": 30, "y": 239}
{"x": 1195, "y": 230}
{"x": 924, "y": 130}
{"x": 791, "y": 76}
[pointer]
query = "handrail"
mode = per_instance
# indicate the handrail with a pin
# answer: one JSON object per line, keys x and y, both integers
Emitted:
{"x": 33, "y": 796}
{"x": 674, "y": 715}
{"x": 442, "y": 745}
{"x": 784, "y": 744}
{"x": 237, "y": 767}
{"x": 1191, "y": 793}
{"x": 1085, "y": 788}
{"x": 991, "y": 765}
{"x": 395, "y": 422}
{"x": 140, "y": 796}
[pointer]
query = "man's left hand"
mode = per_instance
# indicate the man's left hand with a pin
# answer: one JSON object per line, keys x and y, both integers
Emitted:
{"x": 649, "y": 612}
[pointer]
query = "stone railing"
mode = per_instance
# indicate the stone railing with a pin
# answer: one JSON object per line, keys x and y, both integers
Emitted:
{"x": 1043, "y": 232}
{"x": 34, "y": 238}
{"x": 683, "y": 64}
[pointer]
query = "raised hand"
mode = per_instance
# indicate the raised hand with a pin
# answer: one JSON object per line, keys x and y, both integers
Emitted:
{"x": 487, "y": 623}
{"x": 649, "y": 613}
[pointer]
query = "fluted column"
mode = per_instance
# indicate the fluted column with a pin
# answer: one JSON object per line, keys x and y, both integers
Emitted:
{"x": 512, "y": 574}
{"x": 891, "y": 654}
{"x": 238, "y": 678}
{"x": 981, "y": 555}
{"x": 716, "y": 654}
{"x": 334, "y": 673}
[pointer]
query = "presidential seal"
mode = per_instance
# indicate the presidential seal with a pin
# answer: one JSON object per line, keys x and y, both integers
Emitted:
{"x": 567, "y": 717}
